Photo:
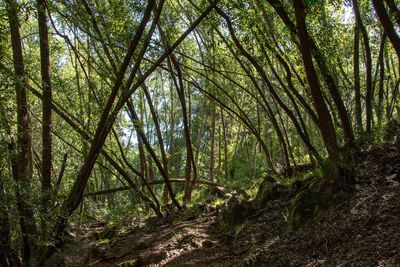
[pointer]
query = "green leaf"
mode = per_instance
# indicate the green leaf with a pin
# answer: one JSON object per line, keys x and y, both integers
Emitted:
{"x": 310, "y": 2}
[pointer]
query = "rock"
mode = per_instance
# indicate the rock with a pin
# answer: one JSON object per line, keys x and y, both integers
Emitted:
{"x": 235, "y": 211}
{"x": 268, "y": 190}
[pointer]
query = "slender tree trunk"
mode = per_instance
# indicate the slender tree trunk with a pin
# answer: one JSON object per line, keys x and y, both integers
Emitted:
{"x": 381, "y": 83}
{"x": 150, "y": 150}
{"x": 212, "y": 148}
{"x": 394, "y": 11}
{"x": 159, "y": 137}
{"x": 46, "y": 114}
{"x": 23, "y": 171}
{"x": 325, "y": 123}
{"x": 325, "y": 72}
{"x": 190, "y": 160}
{"x": 225, "y": 144}
{"x": 59, "y": 177}
{"x": 356, "y": 70}
{"x": 368, "y": 66}
{"x": 387, "y": 25}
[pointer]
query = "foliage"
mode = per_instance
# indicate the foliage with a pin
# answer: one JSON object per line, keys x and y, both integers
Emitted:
{"x": 137, "y": 126}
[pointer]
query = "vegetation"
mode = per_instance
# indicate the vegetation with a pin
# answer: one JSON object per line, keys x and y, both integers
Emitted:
{"x": 112, "y": 110}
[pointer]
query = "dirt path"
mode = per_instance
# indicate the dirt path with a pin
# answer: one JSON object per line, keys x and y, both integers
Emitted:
{"x": 362, "y": 231}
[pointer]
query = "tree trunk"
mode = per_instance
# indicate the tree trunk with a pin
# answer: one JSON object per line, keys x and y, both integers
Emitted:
{"x": 159, "y": 138}
{"x": 8, "y": 257}
{"x": 325, "y": 123}
{"x": 46, "y": 115}
{"x": 152, "y": 153}
{"x": 212, "y": 148}
{"x": 356, "y": 70}
{"x": 368, "y": 66}
{"x": 381, "y": 83}
{"x": 387, "y": 25}
{"x": 394, "y": 11}
{"x": 326, "y": 74}
{"x": 23, "y": 159}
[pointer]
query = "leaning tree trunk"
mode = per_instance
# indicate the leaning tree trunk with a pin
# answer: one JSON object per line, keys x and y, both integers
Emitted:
{"x": 325, "y": 72}
{"x": 394, "y": 11}
{"x": 387, "y": 25}
{"x": 325, "y": 123}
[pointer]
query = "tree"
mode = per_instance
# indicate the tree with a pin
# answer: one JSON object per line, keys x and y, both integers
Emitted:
{"x": 325, "y": 123}
{"x": 137, "y": 107}
{"x": 21, "y": 152}
{"x": 46, "y": 112}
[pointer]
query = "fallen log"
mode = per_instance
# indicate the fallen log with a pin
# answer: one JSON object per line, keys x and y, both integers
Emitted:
{"x": 124, "y": 188}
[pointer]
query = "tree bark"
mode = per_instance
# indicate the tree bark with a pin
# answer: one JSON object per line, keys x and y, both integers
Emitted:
{"x": 153, "y": 155}
{"x": 325, "y": 123}
{"x": 326, "y": 74}
{"x": 178, "y": 83}
{"x": 381, "y": 84}
{"x": 368, "y": 66}
{"x": 387, "y": 25}
{"x": 8, "y": 257}
{"x": 394, "y": 11}
{"x": 23, "y": 159}
{"x": 46, "y": 114}
{"x": 356, "y": 70}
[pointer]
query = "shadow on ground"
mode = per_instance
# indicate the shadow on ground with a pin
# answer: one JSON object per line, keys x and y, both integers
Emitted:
{"x": 362, "y": 231}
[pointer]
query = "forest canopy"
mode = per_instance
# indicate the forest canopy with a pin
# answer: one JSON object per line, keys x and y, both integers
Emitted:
{"x": 115, "y": 109}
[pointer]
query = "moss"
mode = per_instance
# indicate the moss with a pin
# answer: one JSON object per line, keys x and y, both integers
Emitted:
{"x": 216, "y": 203}
{"x": 268, "y": 190}
{"x": 235, "y": 212}
{"x": 107, "y": 233}
{"x": 224, "y": 226}
{"x": 310, "y": 202}
{"x": 103, "y": 241}
{"x": 240, "y": 228}
{"x": 191, "y": 213}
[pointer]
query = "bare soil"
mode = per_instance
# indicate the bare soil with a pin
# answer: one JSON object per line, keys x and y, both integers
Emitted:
{"x": 364, "y": 230}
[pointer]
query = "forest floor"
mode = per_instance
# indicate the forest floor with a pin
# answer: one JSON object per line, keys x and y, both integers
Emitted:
{"x": 363, "y": 230}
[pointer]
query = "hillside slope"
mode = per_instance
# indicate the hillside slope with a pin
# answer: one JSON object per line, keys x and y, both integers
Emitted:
{"x": 364, "y": 230}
